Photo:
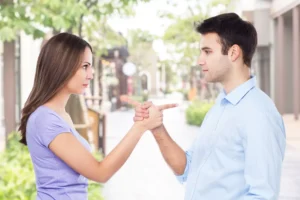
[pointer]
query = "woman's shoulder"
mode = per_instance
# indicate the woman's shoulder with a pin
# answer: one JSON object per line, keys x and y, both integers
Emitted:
{"x": 44, "y": 116}
{"x": 45, "y": 124}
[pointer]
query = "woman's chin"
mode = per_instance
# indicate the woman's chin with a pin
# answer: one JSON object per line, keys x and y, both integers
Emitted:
{"x": 79, "y": 92}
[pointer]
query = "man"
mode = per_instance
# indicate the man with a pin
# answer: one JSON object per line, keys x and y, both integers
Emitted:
{"x": 240, "y": 147}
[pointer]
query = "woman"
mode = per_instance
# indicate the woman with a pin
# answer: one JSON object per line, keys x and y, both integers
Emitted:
{"x": 61, "y": 157}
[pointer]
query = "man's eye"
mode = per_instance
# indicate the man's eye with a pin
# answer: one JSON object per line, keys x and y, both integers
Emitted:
{"x": 207, "y": 52}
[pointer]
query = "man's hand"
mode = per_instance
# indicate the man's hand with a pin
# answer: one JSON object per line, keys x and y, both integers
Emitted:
{"x": 172, "y": 153}
{"x": 141, "y": 109}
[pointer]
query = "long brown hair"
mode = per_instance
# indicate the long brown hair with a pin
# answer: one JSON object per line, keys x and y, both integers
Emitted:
{"x": 58, "y": 61}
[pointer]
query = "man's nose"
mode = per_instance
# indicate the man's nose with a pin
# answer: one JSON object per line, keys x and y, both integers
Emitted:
{"x": 200, "y": 61}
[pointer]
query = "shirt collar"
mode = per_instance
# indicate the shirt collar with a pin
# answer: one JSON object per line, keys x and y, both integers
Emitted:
{"x": 235, "y": 96}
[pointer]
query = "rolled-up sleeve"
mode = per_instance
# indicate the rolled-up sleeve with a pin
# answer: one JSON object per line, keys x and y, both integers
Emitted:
{"x": 182, "y": 178}
{"x": 264, "y": 144}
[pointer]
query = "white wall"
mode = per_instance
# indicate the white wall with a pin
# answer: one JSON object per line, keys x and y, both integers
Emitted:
{"x": 288, "y": 60}
{"x": 262, "y": 22}
{"x": 30, "y": 49}
{"x": 251, "y": 5}
{"x": 272, "y": 59}
{"x": 288, "y": 65}
{"x": 280, "y": 6}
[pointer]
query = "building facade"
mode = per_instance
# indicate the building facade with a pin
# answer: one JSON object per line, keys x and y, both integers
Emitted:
{"x": 276, "y": 62}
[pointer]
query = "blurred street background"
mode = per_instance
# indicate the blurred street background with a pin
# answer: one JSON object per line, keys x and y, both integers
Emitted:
{"x": 146, "y": 49}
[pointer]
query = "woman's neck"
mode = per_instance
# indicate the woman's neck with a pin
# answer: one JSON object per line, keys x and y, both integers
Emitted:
{"x": 58, "y": 102}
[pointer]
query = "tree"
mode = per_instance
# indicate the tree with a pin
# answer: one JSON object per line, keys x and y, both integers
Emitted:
{"x": 168, "y": 74}
{"x": 143, "y": 56}
{"x": 34, "y": 17}
{"x": 140, "y": 48}
{"x": 86, "y": 18}
{"x": 181, "y": 37}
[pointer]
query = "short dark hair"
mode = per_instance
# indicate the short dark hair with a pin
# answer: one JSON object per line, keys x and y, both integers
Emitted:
{"x": 232, "y": 30}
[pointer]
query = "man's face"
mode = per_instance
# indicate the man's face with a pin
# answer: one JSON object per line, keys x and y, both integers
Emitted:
{"x": 215, "y": 66}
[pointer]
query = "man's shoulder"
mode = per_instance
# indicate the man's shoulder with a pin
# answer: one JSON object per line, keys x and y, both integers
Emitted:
{"x": 257, "y": 100}
{"x": 258, "y": 104}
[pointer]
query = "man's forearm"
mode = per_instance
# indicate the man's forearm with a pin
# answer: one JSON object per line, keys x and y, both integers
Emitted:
{"x": 172, "y": 153}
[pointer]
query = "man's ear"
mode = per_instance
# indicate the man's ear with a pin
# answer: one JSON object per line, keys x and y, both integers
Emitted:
{"x": 234, "y": 52}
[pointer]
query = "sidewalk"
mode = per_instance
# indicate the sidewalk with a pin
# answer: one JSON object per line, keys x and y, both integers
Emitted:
{"x": 145, "y": 176}
{"x": 290, "y": 181}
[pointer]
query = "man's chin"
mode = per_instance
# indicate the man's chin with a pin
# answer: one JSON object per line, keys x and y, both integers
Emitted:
{"x": 208, "y": 79}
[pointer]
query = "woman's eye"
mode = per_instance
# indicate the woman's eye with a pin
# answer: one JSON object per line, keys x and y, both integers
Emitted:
{"x": 85, "y": 66}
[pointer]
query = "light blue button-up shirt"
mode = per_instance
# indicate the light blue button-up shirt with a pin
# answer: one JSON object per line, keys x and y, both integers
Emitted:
{"x": 239, "y": 150}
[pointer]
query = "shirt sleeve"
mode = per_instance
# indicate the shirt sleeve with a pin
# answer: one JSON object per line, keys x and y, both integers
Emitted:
{"x": 49, "y": 126}
{"x": 264, "y": 144}
{"x": 189, "y": 156}
{"x": 182, "y": 178}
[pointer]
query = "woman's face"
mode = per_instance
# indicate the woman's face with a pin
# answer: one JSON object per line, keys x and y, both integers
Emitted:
{"x": 80, "y": 81}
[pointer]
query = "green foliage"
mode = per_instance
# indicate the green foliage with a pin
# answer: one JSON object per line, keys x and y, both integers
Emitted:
{"x": 35, "y": 17}
{"x": 137, "y": 98}
{"x": 228, "y": 4}
{"x": 94, "y": 188}
{"x": 182, "y": 30}
{"x": 170, "y": 73}
{"x": 184, "y": 92}
{"x": 140, "y": 48}
{"x": 181, "y": 37}
{"x": 94, "y": 191}
{"x": 139, "y": 36}
{"x": 101, "y": 36}
{"x": 196, "y": 112}
{"x": 141, "y": 98}
{"x": 17, "y": 179}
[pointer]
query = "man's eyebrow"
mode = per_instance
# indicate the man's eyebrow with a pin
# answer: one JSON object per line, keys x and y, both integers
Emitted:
{"x": 205, "y": 48}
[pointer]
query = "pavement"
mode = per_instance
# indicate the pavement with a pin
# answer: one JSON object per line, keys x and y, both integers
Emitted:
{"x": 146, "y": 176}
{"x": 290, "y": 179}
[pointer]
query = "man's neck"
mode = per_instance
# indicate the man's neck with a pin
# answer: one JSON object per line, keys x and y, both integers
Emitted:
{"x": 235, "y": 80}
